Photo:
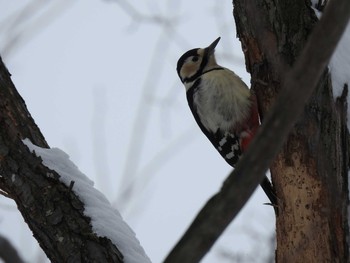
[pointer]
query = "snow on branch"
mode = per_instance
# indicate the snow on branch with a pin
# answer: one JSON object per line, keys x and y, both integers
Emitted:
{"x": 106, "y": 220}
{"x": 71, "y": 220}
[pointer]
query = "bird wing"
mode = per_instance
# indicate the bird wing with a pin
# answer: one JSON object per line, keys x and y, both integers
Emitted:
{"x": 227, "y": 143}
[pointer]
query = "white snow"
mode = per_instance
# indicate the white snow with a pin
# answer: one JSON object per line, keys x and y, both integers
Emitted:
{"x": 340, "y": 64}
{"x": 339, "y": 67}
{"x": 313, "y": 6}
{"x": 106, "y": 220}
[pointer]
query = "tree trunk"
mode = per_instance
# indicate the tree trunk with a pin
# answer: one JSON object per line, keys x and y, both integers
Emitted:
{"x": 310, "y": 174}
{"x": 51, "y": 209}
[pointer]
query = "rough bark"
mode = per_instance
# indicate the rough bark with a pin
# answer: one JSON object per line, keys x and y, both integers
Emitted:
{"x": 310, "y": 173}
{"x": 299, "y": 84}
{"x": 51, "y": 209}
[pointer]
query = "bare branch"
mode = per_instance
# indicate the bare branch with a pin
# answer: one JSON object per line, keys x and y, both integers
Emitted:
{"x": 22, "y": 26}
{"x": 299, "y": 83}
{"x": 8, "y": 252}
{"x": 52, "y": 211}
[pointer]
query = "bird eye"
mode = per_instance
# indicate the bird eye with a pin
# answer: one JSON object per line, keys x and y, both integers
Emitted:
{"x": 195, "y": 58}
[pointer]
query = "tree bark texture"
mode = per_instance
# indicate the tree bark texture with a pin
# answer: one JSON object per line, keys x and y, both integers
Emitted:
{"x": 310, "y": 174}
{"x": 299, "y": 84}
{"x": 51, "y": 209}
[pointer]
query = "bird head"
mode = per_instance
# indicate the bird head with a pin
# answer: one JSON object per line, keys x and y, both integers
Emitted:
{"x": 194, "y": 62}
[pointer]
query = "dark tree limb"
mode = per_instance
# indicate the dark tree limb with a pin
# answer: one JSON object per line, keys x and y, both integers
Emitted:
{"x": 8, "y": 253}
{"x": 310, "y": 172}
{"x": 298, "y": 85}
{"x": 52, "y": 211}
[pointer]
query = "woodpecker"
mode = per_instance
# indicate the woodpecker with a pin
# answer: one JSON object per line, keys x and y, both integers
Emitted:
{"x": 223, "y": 106}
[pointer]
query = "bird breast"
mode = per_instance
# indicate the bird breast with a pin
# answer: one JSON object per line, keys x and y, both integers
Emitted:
{"x": 222, "y": 100}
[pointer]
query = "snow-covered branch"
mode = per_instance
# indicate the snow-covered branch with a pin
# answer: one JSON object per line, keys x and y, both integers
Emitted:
{"x": 72, "y": 221}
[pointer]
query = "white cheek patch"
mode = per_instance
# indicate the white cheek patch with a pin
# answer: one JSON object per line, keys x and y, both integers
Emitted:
{"x": 189, "y": 69}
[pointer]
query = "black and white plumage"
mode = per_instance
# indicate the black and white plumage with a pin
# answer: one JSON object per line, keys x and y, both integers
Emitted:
{"x": 226, "y": 142}
{"x": 222, "y": 105}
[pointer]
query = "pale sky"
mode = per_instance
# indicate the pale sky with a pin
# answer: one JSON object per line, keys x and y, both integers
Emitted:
{"x": 88, "y": 72}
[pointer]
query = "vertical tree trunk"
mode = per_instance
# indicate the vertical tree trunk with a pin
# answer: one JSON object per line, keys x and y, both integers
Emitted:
{"x": 311, "y": 172}
{"x": 310, "y": 176}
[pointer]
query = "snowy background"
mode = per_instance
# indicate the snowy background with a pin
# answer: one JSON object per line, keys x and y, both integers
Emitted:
{"x": 99, "y": 79}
